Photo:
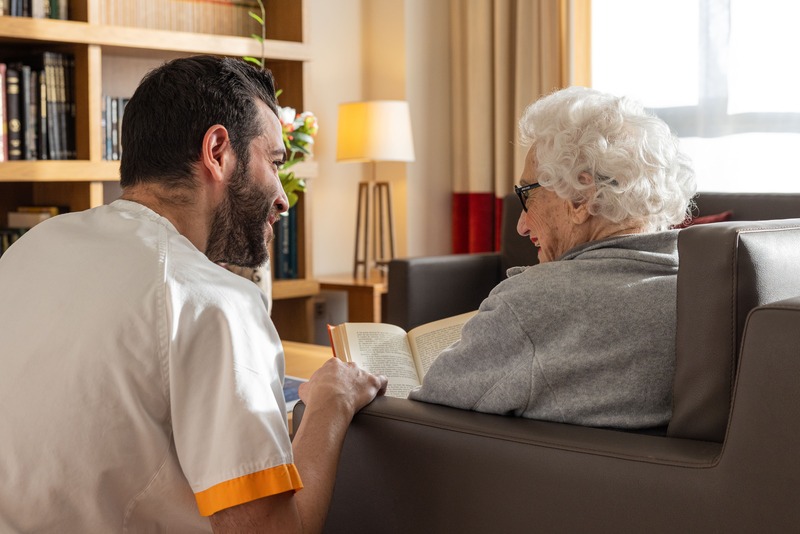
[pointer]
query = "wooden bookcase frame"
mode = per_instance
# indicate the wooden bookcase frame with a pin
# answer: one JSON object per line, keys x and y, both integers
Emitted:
{"x": 80, "y": 183}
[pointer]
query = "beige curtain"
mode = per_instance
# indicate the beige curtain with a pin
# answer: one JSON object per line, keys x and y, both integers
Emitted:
{"x": 505, "y": 55}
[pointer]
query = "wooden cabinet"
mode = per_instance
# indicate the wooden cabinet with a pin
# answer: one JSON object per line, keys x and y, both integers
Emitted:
{"x": 115, "y": 42}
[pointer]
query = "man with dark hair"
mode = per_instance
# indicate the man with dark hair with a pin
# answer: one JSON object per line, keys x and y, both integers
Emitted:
{"x": 141, "y": 384}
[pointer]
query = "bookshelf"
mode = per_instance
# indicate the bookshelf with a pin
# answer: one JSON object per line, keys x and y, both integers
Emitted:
{"x": 113, "y": 48}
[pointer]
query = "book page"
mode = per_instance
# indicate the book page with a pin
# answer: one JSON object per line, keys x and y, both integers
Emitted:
{"x": 429, "y": 340}
{"x": 382, "y": 349}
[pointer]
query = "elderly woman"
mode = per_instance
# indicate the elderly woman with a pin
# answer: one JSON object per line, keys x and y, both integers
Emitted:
{"x": 588, "y": 335}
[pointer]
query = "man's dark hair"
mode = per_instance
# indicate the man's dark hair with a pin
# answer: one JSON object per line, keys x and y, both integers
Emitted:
{"x": 175, "y": 104}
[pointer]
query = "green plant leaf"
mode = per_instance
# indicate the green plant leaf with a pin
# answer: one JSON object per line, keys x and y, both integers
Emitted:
{"x": 256, "y": 17}
{"x": 257, "y": 37}
{"x": 254, "y": 60}
{"x": 303, "y": 137}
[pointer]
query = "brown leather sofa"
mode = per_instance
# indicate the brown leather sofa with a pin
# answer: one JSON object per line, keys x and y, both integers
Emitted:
{"x": 727, "y": 464}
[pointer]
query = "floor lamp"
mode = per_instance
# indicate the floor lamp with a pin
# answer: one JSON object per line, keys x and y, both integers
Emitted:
{"x": 372, "y": 132}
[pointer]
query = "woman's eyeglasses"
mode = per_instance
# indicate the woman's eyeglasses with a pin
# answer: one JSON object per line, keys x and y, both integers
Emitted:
{"x": 524, "y": 192}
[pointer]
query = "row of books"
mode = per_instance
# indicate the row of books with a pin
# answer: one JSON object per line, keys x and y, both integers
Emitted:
{"x": 219, "y": 17}
{"x": 37, "y": 112}
{"x": 38, "y": 9}
{"x": 111, "y": 126}
{"x": 285, "y": 246}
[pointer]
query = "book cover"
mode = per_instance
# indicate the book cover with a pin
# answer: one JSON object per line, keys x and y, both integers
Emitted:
{"x": 53, "y": 138}
{"x": 13, "y": 109}
{"x": 41, "y": 129}
{"x": 32, "y": 119}
{"x": 291, "y": 391}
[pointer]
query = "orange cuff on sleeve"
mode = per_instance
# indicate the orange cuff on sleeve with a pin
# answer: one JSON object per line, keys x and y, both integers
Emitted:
{"x": 248, "y": 488}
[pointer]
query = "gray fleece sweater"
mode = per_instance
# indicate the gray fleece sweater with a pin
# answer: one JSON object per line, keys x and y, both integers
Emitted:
{"x": 588, "y": 339}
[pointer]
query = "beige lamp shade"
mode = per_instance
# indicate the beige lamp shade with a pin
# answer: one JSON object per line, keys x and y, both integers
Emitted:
{"x": 379, "y": 130}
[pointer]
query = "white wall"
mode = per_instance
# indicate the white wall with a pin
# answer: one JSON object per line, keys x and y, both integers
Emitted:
{"x": 335, "y": 75}
{"x": 380, "y": 49}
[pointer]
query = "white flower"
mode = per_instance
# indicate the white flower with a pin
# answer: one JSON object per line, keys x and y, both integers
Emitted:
{"x": 287, "y": 115}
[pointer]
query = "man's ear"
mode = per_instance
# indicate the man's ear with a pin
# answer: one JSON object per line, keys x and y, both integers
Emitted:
{"x": 216, "y": 153}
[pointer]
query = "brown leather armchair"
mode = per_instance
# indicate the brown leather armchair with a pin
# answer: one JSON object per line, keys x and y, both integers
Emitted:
{"x": 727, "y": 464}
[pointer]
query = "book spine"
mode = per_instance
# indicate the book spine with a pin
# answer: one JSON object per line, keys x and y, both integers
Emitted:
{"x": 3, "y": 114}
{"x": 13, "y": 108}
{"x": 293, "y": 243}
{"x": 69, "y": 95}
{"x": 61, "y": 99}
{"x": 120, "y": 114}
{"x": 52, "y": 106}
{"x": 25, "y": 108}
{"x": 114, "y": 129}
{"x": 32, "y": 137}
{"x": 42, "y": 130}
{"x": 284, "y": 239}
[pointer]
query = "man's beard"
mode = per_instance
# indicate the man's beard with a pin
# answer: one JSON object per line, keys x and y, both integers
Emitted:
{"x": 237, "y": 227}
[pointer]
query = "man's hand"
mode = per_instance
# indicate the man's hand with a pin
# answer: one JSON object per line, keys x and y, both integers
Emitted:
{"x": 344, "y": 386}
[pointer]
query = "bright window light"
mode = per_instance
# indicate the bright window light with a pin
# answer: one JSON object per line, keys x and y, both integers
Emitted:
{"x": 728, "y": 88}
{"x": 639, "y": 49}
{"x": 762, "y": 73}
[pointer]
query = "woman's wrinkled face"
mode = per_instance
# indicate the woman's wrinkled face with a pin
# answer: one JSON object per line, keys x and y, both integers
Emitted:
{"x": 547, "y": 222}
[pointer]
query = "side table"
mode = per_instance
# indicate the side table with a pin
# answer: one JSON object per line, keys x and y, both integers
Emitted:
{"x": 364, "y": 295}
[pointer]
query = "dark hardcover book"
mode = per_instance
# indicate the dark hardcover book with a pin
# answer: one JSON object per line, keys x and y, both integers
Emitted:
{"x": 15, "y": 8}
{"x": 24, "y": 106}
{"x": 293, "y": 243}
{"x": 53, "y": 139}
{"x": 61, "y": 105}
{"x": 42, "y": 128}
{"x": 108, "y": 140}
{"x": 14, "y": 107}
{"x": 69, "y": 96}
{"x": 26, "y": 8}
{"x": 122, "y": 102}
{"x": 114, "y": 129}
{"x": 32, "y": 122}
{"x": 283, "y": 261}
{"x": 3, "y": 114}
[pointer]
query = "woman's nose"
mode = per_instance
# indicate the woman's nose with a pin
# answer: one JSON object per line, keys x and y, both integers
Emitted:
{"x": 522, "y": 224}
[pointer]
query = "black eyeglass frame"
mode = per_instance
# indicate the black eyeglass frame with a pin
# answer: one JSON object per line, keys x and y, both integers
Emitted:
{"x": 524, "y": 193}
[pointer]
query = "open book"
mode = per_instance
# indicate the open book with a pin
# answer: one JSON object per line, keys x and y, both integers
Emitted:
{"x": 386, "y": 349}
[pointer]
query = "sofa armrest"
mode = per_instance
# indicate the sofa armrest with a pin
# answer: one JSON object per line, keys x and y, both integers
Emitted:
{"x": 425, "y": 289}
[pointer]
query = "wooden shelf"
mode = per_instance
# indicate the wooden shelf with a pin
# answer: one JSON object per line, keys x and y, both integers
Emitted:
{"x": 292, "y": 289}
{"x": 59, "y": 171}
{"x": 119, "y": 39}
{"x": 89, "y": 171}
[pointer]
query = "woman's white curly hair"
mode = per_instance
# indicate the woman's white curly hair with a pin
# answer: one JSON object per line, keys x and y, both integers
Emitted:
{"x": 639, "y": 171}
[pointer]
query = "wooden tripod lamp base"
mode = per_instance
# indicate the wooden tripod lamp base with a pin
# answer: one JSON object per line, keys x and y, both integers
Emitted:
{"x": 374, "y": 246}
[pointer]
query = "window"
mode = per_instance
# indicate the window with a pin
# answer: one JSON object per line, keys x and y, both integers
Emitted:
{"x": 721, "y": 73}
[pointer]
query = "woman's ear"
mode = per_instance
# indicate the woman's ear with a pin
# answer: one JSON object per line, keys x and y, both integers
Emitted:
{"x": 579, "y": 210}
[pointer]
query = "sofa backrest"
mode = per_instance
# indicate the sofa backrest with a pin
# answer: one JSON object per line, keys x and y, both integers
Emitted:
{"x": 750, "y": 206}
{"x": 726, "y": 270}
